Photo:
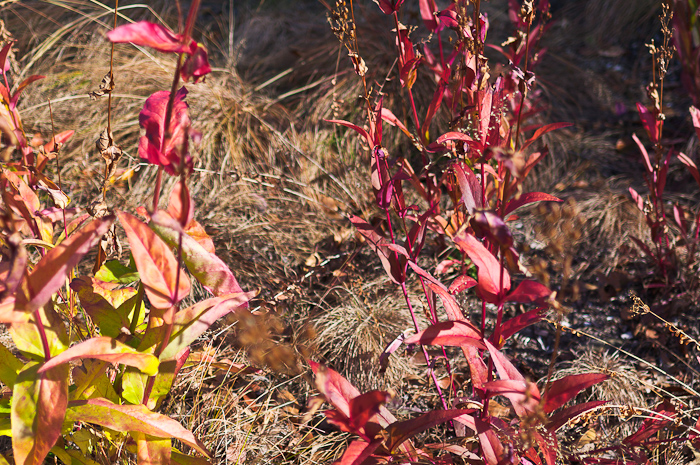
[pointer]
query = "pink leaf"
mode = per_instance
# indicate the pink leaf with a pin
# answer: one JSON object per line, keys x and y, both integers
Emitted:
{"x": 645, "y": 154}
{"x": 522, "y": 403}
{"x": 151, "y": 35}
{"x": 462, "y": 283}
{"x": 428, "y": 9}
{"x": 470, "y": 187}
{"x": 544, "y": 130}
{"x": 196, "y": 66}
{"x": 491, "y": 447}
{"x": 451, "y": 306}
{"x": 448, "y": 333}
{"x": 157, "y": 266}
{"x": 38, "y": 407}
{"x": 126, "y": 418}
{"x": 51, "y": 271}
{"x": 390, "y": 118}
{"x": 355, "y": 128}
{"x": 180, "y": 205}
{"x": 638, "y": 200}
{"x": 528, "y": 292}
{"x": 651, "y": 125}
{"x": 192, "y": 322}
{"x": 207, "y": 268}
{"x": 526, "y": 392}
{"x": 685, "y": 159}
{"x": 489, "y": 270}
{"x": 4, "y": 62}
{"x": 695, "y": 115}
{"x": 339, "y": 392}
{"x": 153, "y": 146}
{"x": 108, "y": 350}
{"x": 563, "y": 390}
{"x": 528, "y": 198}
{"x": 459, "y": 136}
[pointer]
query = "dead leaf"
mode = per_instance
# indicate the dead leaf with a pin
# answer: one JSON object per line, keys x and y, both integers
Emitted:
{"x": 106, "y": 86}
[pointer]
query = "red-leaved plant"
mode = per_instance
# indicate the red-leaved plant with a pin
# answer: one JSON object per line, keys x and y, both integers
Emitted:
{"x": 106, "y": 348}
{"x": 489, "y": 160}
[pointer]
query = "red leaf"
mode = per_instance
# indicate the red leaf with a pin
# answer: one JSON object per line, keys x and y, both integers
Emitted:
{"x": 470, "y": 187}
{"x": 401, "y": 431}
{"x": 462, "y": 283}
{"x": 153, "y": 146}
{"x": 365, "y": 406}
{"x": 517, "y": 323}
{"x": 108, "y": 350}
{"x": 549, "y": 446}
{"x": 21, "y": 87}
{"x": 454, "y": 312}
{"x": 196, "y": 66}
{"x": 665, "y": 413}
{"x": 180, "y": 205}
{"x": 393, "y": 266}
{"x": 354, "y": 127}
{"x": 477, "y": 367}
{"x": 214, "y": 275}
{"x": 433, "y": 108}
{"x": 638, "y": 200}
{"x": 151, "y": 35}
{"x": 4, "y": 62}
{"x": 522, "y": 403}
{"x": 651, "y": 125}
{"x": 645, "y": 154}
{"x": 691, "y": 166}
{"x": 51, "y": 271}
{"x": 527, "y": 198}
{"x": 489, "y": 270}
{"x": 491, "y": 447}
{"x": 60, "y": 138}
{"x": 448, "y": 333}
{"x": 157, "y": 266}
{"x": 560, "y": 418}
{"x": 544, "y": 130}
{"x": 528, "y": 292}
{"x": 563, "y": 390}
{"x": 527, "y": 393}
{"x": 339, "y": 392}
{"x": 357, "y": 452}
{"x": 452, "y": 136}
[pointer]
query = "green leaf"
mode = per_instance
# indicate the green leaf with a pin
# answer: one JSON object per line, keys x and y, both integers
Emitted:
{"x": 103, "y": 301}
{"x": 130, "y": 418}
{"x": 38, "y": 408}
{"x": 26, "y": 336}
{"x": 133, "y": 386}
{"x": 152, "y": 450}
{"x": 112, "y": 271}
{"x": 91, "y": 380}
{"x": 6, "y": 426}
{"x": 167, "y": 372}
{"x": 109, "y": 350}
{"x": 9, "y": 366}
{"x": 158, "y": 267}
